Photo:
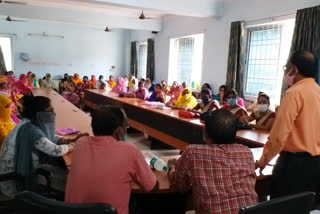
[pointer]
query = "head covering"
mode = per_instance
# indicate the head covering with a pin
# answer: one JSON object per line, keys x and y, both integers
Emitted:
{"x": 186, "y": 100}
{"x": 120, "y": 87}
{"x": 4, "y": 85}
{"x": 42, "y": 126}
{"x": 5, "y": 117}
{"x": 112, "y": 83}
{"x": 48, "y": 82}
{"x": 76, "y": 78}
{"x": 93, "y": 81}
{"x": 176, "y": 93}
{"x": 21, "y": 86}
{"x": 134, "y": 86}
{"x": 130, "y": 82}
{"x": 153, "y": 86}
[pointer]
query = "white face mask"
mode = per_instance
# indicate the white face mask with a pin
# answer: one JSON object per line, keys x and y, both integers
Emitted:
{"x": 263, "y": 107}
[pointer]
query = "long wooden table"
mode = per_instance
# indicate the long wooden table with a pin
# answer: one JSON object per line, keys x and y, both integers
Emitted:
{"x": 166, "y": 125}
{"x": 70, "y": 116}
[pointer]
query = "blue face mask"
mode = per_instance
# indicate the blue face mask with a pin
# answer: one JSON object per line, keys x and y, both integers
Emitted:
{"x": 232, "y": 101}
{"x": 125, "y": 137}
{"x": 205, "y": 100}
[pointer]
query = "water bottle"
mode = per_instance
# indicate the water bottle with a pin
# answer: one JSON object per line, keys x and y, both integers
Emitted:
{"x": 155, "y": 162}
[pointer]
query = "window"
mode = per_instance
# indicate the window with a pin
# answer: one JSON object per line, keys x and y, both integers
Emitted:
{"x": 142, "y": 60}
{"x": 5, "y": 43}
{"x": 268, "y": 50}
{"x": 185, "y": 59}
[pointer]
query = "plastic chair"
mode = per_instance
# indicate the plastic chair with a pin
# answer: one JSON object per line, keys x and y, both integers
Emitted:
{"x": 29, "y": 202}
{"x": 300, "y": 203}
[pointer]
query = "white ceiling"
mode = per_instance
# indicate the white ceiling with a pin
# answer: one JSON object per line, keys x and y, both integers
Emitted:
{"x": 112, "y": 13}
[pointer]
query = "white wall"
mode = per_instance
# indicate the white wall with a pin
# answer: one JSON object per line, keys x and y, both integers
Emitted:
{"x": 83, "y": 50}
{"x": 216, "y": 31}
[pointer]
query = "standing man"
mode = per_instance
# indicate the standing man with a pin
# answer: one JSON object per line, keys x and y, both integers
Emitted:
{"x": 296, "y": 131}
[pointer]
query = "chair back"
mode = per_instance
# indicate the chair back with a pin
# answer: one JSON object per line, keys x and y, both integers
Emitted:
{"x": 300, "y": 203}
{"x": 29, "y": 202}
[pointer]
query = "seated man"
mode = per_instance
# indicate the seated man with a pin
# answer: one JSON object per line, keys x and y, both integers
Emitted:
{"x": 104, "y": 167}
{"x": 221, "y": 174}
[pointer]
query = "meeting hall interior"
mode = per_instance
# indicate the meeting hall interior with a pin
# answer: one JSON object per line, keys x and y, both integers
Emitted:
{"x": 160, "y": 107}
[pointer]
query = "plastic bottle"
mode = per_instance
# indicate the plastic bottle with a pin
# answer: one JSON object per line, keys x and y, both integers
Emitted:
{"x": 155, "y": 162}
{"x": 193, "y": 85}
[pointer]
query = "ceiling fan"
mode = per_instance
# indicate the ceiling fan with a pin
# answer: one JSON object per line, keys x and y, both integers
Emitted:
{"x": 12, "y": 2}
{"x": 9, "y": 19}
{"x": 108, "y": 30}
{"x": 142, "y": 16}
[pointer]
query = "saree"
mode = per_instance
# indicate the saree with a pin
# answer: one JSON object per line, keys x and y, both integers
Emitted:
{"x": 27, "y": 135}
{"x": 186, "y": 101}
{"x": 263, "y": 120}
{"x": 175, "y": 93}
{"x": 120, "y": 87}
{"x": 76, "y": 79}
{"x": 93, "y": 82}
{"x": 5, "y": 117}
{"x": 112, "y": 83}
{"x": 21, "y": 87}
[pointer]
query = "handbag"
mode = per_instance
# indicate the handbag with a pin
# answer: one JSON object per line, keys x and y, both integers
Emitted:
{"x": 188, "y": 114}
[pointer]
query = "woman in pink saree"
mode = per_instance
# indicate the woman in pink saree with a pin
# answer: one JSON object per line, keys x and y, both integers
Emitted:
{"x": 22, "y": 87}
{"x": 121, "y": 86}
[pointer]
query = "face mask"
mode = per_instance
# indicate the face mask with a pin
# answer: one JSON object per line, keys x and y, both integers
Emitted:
{"x": 289, "y": 79}
{"x": 47, "y": 123}
{"x": 232, "y": 101}
{"x": 205, "y": 100}
{"x": 263, "y": 107}
{"x": 125, "y": 137}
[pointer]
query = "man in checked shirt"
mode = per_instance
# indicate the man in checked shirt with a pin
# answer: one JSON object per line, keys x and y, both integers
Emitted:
{"x": 221, "y": 174}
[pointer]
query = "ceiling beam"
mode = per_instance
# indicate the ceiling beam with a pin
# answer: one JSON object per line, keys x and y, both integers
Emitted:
{"x": 200, "y": 8}
{"x": 97, "y": 20}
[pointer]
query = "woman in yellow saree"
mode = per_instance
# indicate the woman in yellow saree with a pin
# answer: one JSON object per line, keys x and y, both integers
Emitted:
{"x": 185, "y": 101}
{"x": 5, "y": 117}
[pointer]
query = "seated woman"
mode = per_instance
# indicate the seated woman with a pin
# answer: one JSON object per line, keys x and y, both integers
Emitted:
{"x": 165, "y": 87}
{"x": 111, "y": 82}
{"x": 32, "y": 81}
{"x": 221, "y": 96}
{"x": 158, "y": 95}
{"x": 206, "y": 86}
{"x": 173, "y": 88}
{"x": 84, "y": 85}
{"x": 186, "y": 101}
{"x": 233, "y": 106}
{"x": 264, "y": 117}
{"x": 69, "y": 91}
{"x": 148, "y": 84}
{"x": 76, "y": 79}
{"x": 208, "y": 104}
{"x": 141, "y": 93}
{"x": 48, "y": 82}
{"x": 175, "y": 94}
{"x": 93, "y": 82}
{"x": 5, "y": 117}
{"x": 31, "y": 143}
{"x": 254, "y": 105}
{"x": 153, "y": 85}
{"x": 22, "y": 86}
{"x": 120, "y": 87}
{"x": 133, "y": 86}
